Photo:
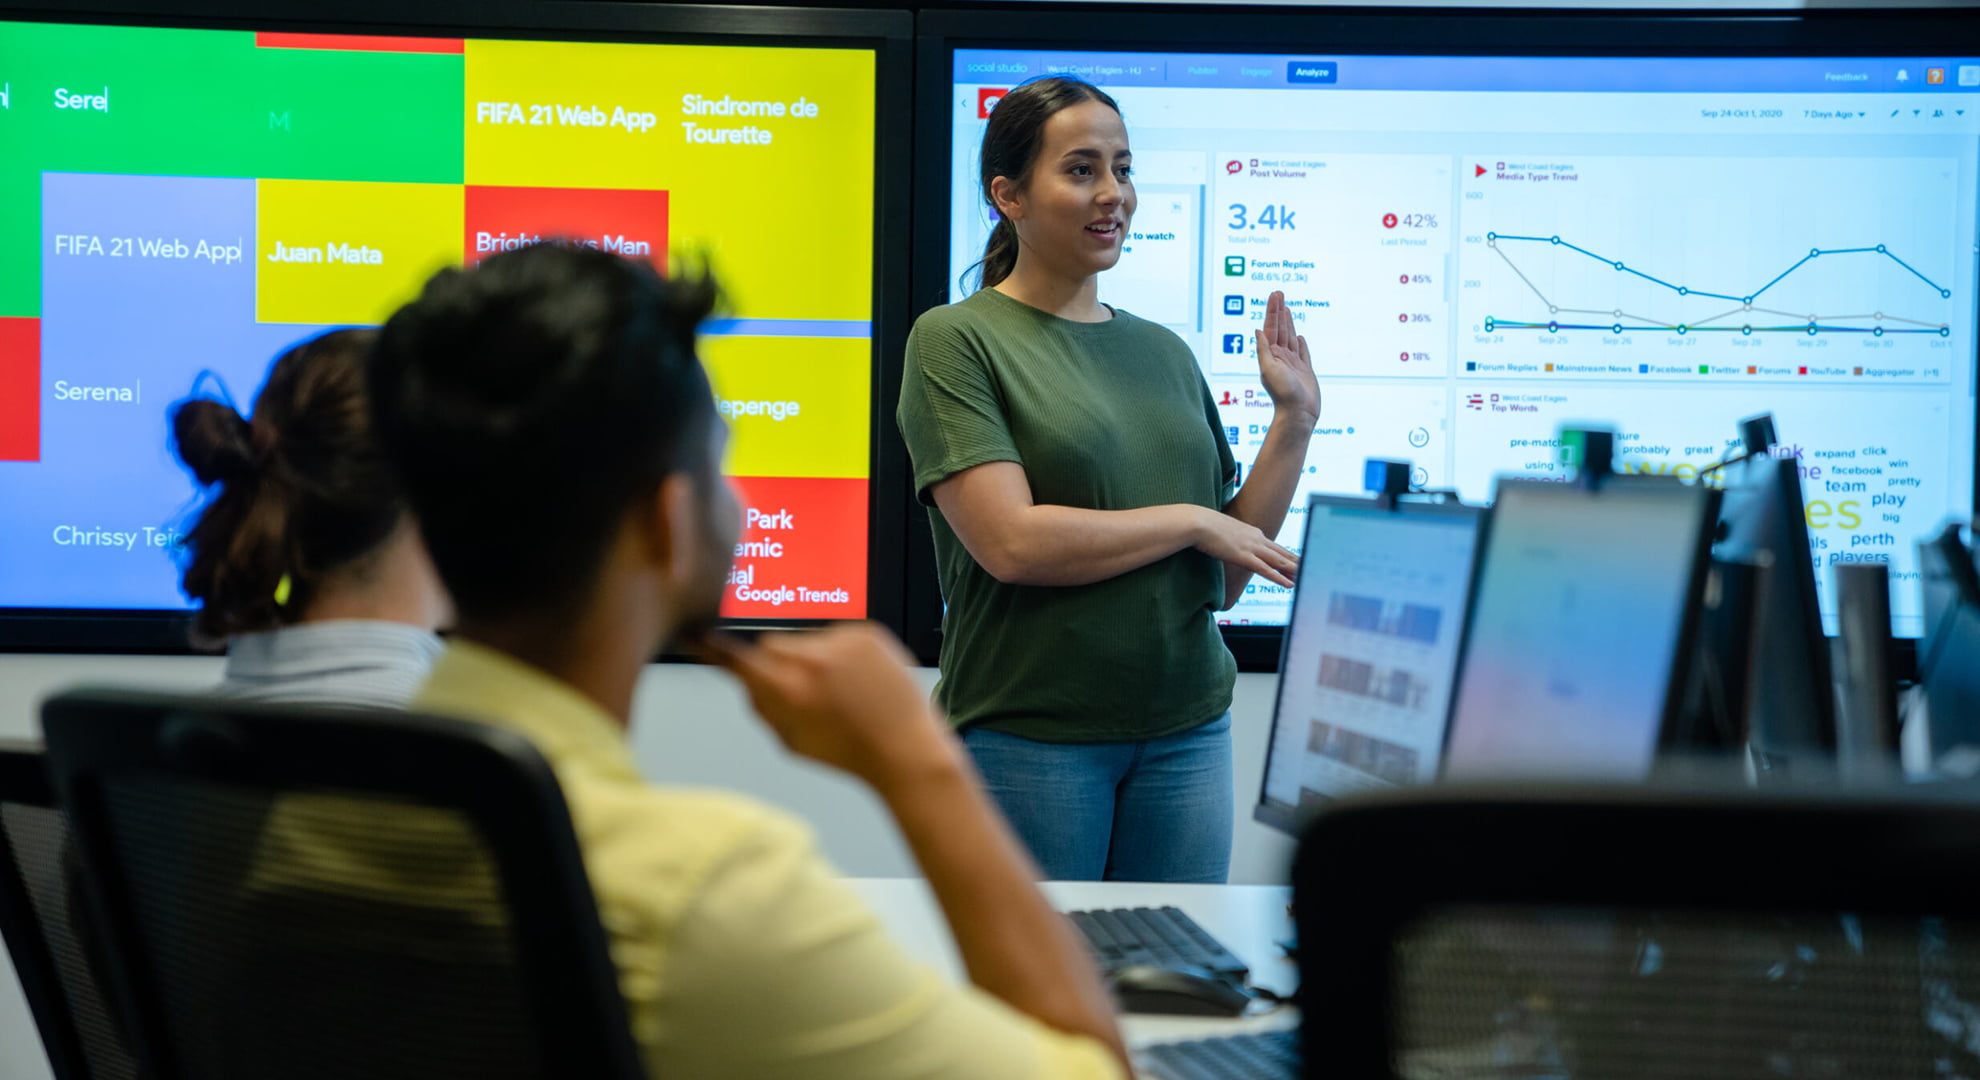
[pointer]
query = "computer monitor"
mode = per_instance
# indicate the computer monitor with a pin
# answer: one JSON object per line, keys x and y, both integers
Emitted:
{"x": 1867, "y": 684}
{"x": 1949, "y": 653}
{"x": 1791, "y": 703}
{"x": 1493, "y": 225}
{"x": 182, "y": 200}
{"x": 1371, "y": 653}
{"x": 1581, "y": 625}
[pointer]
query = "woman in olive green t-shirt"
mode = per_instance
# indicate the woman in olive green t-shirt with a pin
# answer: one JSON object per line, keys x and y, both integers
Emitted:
{"x": 1087, "y": 518}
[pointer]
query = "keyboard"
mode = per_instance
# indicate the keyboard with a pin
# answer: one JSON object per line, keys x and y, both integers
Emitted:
{"x": 1269, "y": 1055}
{"x": 1162, "y": 937}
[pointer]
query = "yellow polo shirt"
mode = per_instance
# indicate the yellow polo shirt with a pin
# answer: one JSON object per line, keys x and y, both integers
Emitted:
{"x": 740, "y": 952}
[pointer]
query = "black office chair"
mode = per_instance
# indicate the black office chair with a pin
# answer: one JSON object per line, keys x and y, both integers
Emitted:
{"x": 1622, "y": 933}
{"x": 38, "y": 920}
{"x": 308, "y": 892}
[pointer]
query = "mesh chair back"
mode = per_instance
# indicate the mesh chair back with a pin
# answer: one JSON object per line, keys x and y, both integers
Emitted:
{"x": 1619, "y": 934}
{"x": 314, "y": 893}
{"x": 46, "y": 930}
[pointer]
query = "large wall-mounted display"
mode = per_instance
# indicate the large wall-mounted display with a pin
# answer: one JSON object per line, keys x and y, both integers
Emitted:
{"x": 1491, "y": 224}
{"x": 1483, "y": 249}
{"x": 178, "y": 205}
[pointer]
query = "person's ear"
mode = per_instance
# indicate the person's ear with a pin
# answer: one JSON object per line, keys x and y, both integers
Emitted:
{"x": 680, "y": 530}
{"x": 659, "y": 525}
{"x": 1004, "y": 192}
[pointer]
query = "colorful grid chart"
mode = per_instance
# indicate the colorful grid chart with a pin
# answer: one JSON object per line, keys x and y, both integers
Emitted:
{"x": 179, "y": 206}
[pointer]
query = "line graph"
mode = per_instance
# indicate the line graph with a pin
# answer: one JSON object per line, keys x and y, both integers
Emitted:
{"x": 1747, "y": 265}
{"x": 1812, "y": 324}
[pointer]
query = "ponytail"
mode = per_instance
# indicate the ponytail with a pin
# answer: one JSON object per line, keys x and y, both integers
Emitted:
{"x": 299, "y": 491}
{"x": 999, "y": 255}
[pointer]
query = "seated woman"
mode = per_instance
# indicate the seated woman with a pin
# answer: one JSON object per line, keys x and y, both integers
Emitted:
{"x": 304, "y": 560}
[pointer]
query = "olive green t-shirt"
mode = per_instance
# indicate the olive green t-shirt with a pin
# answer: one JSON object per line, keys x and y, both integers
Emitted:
{"x": 1103, "y": 416}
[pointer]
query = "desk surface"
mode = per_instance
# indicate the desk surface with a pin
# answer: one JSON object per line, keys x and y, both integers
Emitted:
{"x": 1248, "y": 919}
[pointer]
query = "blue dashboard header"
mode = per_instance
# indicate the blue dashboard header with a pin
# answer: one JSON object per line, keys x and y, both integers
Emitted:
{"x": 1930, "y": 75}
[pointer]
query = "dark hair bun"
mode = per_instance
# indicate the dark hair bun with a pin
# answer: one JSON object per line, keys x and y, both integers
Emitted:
{"x": 215, "y": 442}
{"x": 300, "y": 493}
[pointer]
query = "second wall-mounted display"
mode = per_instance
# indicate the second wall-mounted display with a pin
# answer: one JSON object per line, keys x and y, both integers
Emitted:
{"x": 187, "y": 199}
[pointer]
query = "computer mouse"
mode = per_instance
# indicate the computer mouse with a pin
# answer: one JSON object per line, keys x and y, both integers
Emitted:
{"x": 1179, "y": 991}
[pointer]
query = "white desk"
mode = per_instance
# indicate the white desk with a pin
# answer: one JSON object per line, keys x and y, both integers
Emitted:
{"x": 1248, "y": 919}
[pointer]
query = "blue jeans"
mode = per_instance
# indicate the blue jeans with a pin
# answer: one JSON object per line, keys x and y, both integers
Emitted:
{"x": 1158, "y": 810}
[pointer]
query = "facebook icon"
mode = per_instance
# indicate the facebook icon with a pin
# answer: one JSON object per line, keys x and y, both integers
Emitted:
{"x": 1231, "y": 434}
{"x": 1234, "y": 343}
{"x": 1233, "y": 305}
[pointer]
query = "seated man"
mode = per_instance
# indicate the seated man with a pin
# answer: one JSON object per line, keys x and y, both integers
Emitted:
{"x": 558, "y": 442}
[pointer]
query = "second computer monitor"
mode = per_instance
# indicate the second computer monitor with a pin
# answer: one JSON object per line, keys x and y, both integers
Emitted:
{"x": 1371, "y": 651}
{"x": 1791, "y": 711}
{"x": 1580, "y": 626}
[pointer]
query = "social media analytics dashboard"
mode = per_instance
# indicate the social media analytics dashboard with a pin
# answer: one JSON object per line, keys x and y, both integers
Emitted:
{"x": 1484, "y": 250}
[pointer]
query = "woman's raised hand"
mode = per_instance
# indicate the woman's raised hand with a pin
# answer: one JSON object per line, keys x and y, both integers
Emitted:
{"x": 1284, "y": 364}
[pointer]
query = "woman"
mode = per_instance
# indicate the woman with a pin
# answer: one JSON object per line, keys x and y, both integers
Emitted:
{"x": 1086, "y": 517}
{"x": 304, "y": 559}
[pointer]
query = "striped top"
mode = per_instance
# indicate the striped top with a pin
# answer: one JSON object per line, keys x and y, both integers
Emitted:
{"x": 339, "y": 662}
